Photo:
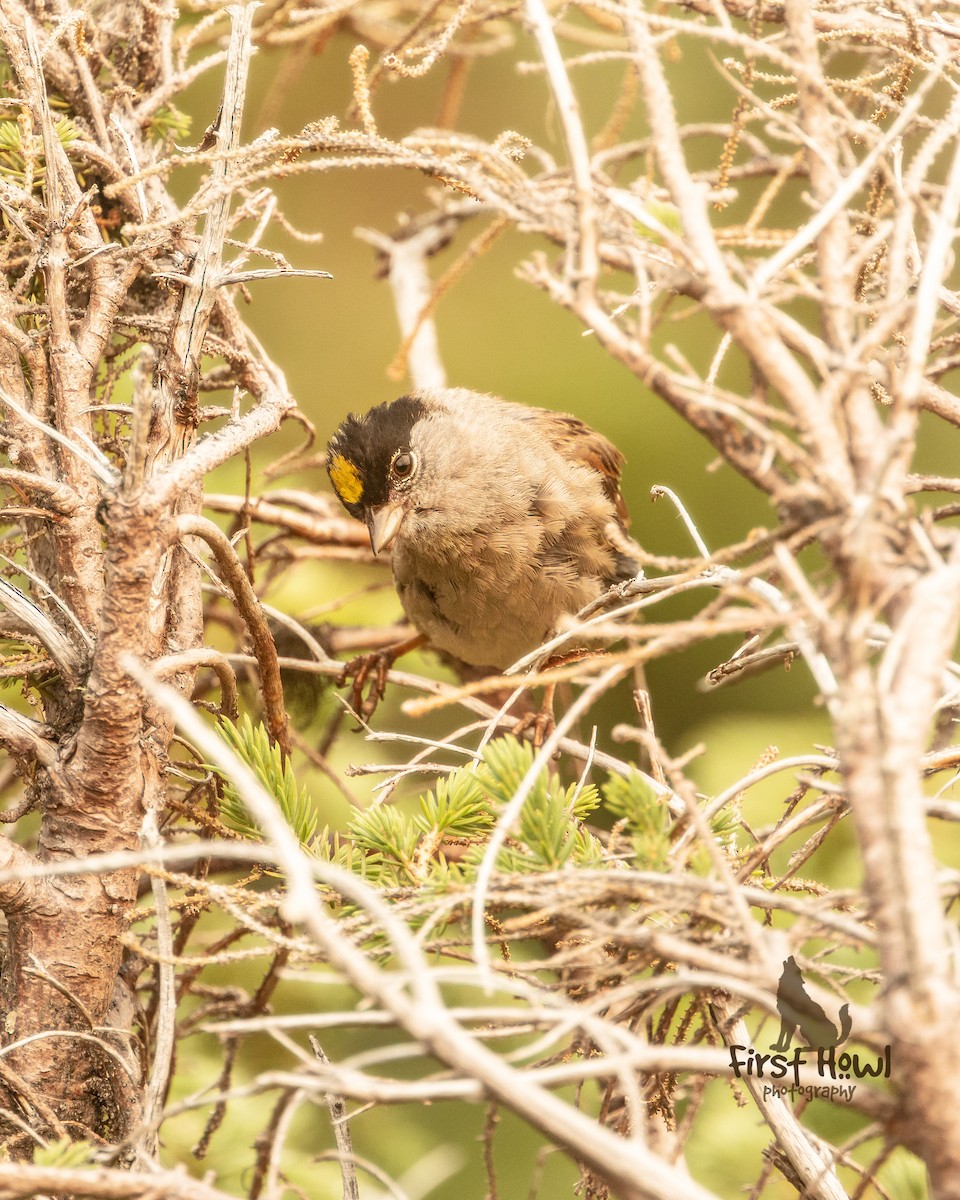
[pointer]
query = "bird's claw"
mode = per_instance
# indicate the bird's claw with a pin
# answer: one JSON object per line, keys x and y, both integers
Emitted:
{"x": 367, "y": 667}
{"x": 373, "y": 668}
{"x": 537, "y": 726}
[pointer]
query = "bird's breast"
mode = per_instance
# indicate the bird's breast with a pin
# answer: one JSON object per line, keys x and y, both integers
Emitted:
{"x": 488, "y": 602}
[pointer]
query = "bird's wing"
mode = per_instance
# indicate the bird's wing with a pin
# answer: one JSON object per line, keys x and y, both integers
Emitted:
{"x": 574, "y": 439}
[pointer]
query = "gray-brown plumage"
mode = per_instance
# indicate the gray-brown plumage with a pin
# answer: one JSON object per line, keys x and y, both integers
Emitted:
{"x": 502, "y": 518}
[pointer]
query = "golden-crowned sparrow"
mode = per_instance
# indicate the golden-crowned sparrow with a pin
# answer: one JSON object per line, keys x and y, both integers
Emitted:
{"x": 501, "y": 518}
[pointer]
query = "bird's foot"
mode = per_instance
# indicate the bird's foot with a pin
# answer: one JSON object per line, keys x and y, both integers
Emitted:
{"x": 372, "y": 669}
{"x": 537, "y": 726}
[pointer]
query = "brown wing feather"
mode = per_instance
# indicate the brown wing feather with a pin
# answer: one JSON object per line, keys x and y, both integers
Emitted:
{"x": 575, "y": 440}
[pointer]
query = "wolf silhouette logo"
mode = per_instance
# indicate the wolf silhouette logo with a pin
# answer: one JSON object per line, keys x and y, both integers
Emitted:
{"x": 799, "y": 1011}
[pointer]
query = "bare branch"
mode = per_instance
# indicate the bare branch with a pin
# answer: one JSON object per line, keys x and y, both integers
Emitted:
{"x": 249, "y": 606}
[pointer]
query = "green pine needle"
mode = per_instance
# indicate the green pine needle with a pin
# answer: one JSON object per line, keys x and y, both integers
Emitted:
{"x": 647, "y": 819}
{"x": 464, "y": 806}
{"x": 66, "y": 1153}
{"x": 392, "y": 848}
{"x": 252, "y": 744}
{"x": 13, "y": 161}
{"x": 457, "y": 807}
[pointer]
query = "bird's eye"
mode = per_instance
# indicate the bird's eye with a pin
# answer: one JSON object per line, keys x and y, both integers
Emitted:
{"x": 403, "y": 464}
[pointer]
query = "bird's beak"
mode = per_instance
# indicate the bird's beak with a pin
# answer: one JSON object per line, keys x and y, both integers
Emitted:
{"x": 383, "y": 524}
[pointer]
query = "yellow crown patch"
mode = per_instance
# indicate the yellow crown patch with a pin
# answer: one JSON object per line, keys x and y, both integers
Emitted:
{"x": 346, "y": 479}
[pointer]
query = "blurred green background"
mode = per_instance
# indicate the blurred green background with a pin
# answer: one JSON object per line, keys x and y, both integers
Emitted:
{"x": 334, "y": 340}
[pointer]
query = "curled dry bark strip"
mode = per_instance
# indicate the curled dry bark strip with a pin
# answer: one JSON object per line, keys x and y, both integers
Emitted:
{"x": 189, "y": 660}
{"x": 61, "y": 648}
{"x": 27, "y": 739}
{"x": 250, "y": 609}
